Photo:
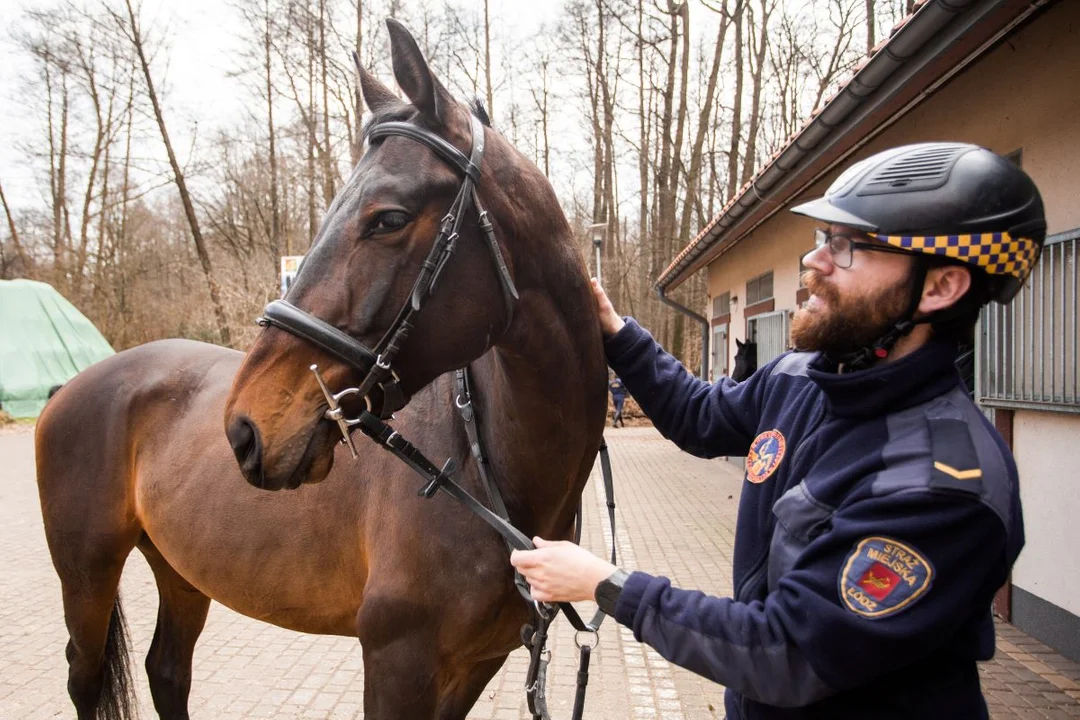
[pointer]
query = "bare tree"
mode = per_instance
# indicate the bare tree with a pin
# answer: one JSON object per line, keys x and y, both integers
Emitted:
{"x": 759, "y": 36}
{"x": 487, "y": 59}
{"x": 20, "y": 253}
{"x": 870, "y": 18}
{"x": 693, "y": 176}
{"x": 133, "y": 32}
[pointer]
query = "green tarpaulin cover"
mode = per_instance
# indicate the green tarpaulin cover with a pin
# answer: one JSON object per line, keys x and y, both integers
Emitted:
{"x": 44, "y": 341}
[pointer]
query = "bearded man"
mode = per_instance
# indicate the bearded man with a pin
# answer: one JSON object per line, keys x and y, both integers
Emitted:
{"x": 880, "y": 511}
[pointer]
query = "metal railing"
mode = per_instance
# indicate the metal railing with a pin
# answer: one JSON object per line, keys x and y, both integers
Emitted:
{"x": 1028, "y": 349}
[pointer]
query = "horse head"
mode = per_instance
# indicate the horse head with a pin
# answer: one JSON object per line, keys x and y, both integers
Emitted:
{"x": 363, "y": 307}
{"x": 745, "y": 360}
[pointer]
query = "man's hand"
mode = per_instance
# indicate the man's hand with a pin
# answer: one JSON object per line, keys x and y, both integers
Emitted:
{"x": 561, "y": 571}
{"x": 610, "y": 322}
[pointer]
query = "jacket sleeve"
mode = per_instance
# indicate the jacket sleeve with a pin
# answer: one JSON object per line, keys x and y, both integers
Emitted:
{"x": 826, "y": 627}
{"x": 704, "y": 419}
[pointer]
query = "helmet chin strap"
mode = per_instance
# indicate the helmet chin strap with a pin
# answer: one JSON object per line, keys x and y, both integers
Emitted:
{"x": 867, "y": 355}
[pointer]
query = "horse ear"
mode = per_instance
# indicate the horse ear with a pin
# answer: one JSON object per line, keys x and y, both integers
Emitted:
{"x": 414, "y": 76}
{"x": 376, "y": 95}
{"x": 738, "y": 343}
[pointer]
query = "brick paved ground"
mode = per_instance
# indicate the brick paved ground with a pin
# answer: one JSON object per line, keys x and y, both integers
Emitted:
{"x": 676, "y": 516}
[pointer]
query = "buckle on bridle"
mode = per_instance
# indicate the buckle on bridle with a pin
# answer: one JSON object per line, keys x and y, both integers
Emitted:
{"x": 335, "y": 413}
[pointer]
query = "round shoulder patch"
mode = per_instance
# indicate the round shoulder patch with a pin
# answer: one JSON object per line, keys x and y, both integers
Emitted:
{"x": 765, "y": 455}
{"x": 882, "y": 576}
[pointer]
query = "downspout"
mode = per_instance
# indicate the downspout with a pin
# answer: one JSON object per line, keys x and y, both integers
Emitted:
{"x": 700, "y": 319}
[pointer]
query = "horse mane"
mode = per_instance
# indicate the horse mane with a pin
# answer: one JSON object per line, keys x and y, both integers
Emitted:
{"x": 477, "y": 108}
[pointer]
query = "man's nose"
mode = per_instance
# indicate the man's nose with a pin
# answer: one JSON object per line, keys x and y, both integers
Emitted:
{"x": 819, "y": 259}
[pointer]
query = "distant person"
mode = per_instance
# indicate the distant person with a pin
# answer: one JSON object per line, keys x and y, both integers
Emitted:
{"x": 618, "y": 398}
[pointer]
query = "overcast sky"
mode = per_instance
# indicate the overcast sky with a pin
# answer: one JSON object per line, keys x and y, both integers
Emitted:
{"x": 202, "y": 51}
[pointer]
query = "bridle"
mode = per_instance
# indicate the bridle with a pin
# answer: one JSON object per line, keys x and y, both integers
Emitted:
{"x": 376, "y": 368}
{"x": 376, "y": 365}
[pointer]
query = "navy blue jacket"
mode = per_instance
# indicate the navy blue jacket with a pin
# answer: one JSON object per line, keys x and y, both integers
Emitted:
{"x": 879, "y": 515}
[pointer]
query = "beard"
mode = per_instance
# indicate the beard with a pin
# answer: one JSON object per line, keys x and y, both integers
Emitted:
{"x": 844, "y": 325}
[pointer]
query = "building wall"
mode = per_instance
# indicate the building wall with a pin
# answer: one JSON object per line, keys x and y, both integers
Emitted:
{"x": 1045, "y": 449}
{"x": 777, "y": 246}
{"x": 1022, "y": 96}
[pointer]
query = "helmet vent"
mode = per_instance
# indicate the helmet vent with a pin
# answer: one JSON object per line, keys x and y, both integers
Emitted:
{"x": 921, "y": 168}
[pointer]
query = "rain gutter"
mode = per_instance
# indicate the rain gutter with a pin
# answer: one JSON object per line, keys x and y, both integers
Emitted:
{"x": 700, "y": 320}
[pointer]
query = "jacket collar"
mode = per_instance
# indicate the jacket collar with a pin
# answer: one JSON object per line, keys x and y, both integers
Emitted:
{"x": 913, "y": 379}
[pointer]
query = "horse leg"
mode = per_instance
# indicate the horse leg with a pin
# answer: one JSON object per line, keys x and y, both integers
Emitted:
{"x": 99, "y": 676}
{"x": 464, "y": 691}
{"x": 181, "y": 616}
{"x": 400, "y": 678}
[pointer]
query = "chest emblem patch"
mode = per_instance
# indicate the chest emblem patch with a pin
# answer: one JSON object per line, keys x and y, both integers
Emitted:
{"x": 882, "y": 576}
{"x": 765, "y": 455}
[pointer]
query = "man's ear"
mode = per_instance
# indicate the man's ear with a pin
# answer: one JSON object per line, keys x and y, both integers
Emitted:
{"x": 944, "y": 287}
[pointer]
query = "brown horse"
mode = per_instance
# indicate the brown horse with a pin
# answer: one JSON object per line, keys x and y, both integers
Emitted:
{"x": 132, "y": 453}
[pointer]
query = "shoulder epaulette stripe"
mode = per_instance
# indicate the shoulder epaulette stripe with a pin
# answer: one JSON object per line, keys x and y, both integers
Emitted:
{"x": 958, "y": 474}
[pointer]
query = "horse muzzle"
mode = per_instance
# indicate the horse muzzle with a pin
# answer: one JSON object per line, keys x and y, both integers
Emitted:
{"x": 297, "y": 463}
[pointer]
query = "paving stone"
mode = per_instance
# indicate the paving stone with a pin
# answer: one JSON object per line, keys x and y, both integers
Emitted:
{"x": 676, "y": 517}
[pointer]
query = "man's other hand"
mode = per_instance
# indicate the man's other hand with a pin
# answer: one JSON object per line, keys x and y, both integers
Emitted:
{"x": 610, "y": 322}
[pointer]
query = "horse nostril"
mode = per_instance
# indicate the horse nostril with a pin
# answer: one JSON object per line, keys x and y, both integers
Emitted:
{"x": 246, "y": 445}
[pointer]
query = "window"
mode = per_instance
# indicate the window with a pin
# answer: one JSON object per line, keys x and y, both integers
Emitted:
{"x": 719, "y": 366}
{"x": 759, "y": 289}
{"x": 1029, "y": 350}
{"x": 721, "y": 305}
{"x": 769, "y": 331}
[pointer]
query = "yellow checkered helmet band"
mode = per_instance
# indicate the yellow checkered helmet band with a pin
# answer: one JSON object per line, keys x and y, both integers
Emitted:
{"x": 997, "y": 253}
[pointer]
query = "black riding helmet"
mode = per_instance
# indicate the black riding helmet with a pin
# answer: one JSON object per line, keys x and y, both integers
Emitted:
{"x": 956, "y": 201}
{"x": 950, "y": 199}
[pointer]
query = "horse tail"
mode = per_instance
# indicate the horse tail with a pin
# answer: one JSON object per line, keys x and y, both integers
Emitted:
{"x": 118, "y": 701}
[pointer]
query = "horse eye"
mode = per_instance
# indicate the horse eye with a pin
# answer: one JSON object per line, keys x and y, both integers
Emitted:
{"x": 389, "y": 221}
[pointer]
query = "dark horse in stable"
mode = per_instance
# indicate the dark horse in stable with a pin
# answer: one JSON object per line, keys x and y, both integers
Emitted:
{"x": 133, "y": 453}
{"x": 745, "y": 360}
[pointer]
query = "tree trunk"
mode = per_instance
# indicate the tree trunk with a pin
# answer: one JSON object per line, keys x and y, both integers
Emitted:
{"x": 756, "y": 77}
{"x": 181, "y": 185}
{"x": 329, "y": 173}
{"x": 99, "y": 258}
{"x": 19, "y": 252}
{"x": 693, "y": 177}
{"x": 664, "y": 190}
{"x": 736, "y": 112}
{"x": 313, "y": 226}
{"x": 487, "y": 61}
{"x": 358, "y": 99}
{"x": 275, "y": 212}
{"x": 643, "y": 138}
{"x": 102, "y": 130}
{"x": 870, "y": 41}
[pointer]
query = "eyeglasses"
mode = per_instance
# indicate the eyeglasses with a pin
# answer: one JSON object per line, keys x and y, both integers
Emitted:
{"x": 842, "y": 247}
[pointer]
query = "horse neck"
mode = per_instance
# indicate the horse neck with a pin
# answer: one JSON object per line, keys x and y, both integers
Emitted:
{"x": 544, "y": 398}
{"x": 543, "y": 404}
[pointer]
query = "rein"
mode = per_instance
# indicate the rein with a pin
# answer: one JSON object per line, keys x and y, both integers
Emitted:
{"x": 376, "y": 368}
